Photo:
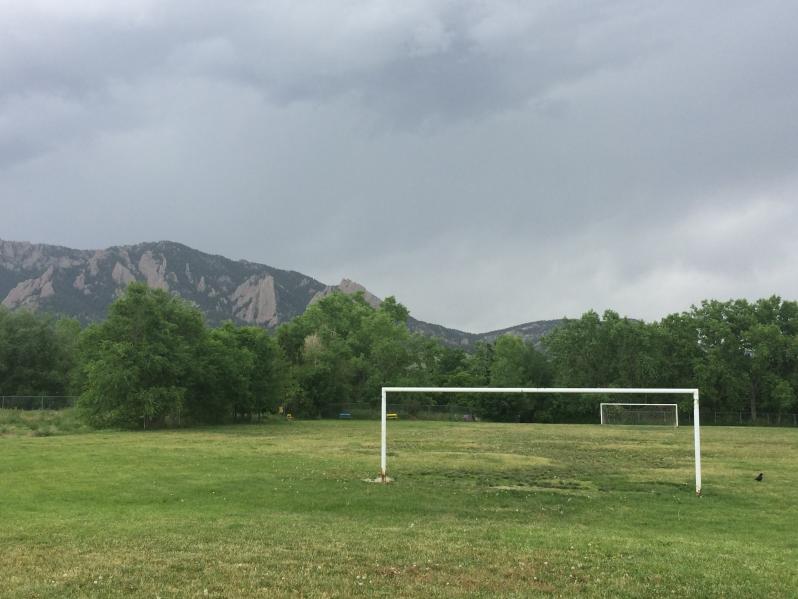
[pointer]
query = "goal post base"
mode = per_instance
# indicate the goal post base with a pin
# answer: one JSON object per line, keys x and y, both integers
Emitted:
{"x": 382, "y": 479}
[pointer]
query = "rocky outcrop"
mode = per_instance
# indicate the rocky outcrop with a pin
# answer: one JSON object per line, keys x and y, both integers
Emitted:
{"x": 154, "y": 271}
{"x": 22, "y": 256}
{"x": 255, "y": 301}
{"x": 121, "y": 275}
{"x": 94, "y": 262}
{"x": 80, "y": 282}
{"x": 30, "y": 292}
{"x": 350, "y": 288}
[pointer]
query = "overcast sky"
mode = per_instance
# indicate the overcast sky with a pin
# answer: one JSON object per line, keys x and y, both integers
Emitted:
{"x": 487, "y": 162}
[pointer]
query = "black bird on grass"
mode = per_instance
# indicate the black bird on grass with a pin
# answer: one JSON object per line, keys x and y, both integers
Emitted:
{"x": 760, "y": 476}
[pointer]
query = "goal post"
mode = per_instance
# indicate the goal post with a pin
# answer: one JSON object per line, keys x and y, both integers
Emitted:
{"x": 551, "y": 390}
{"x": 606, "y": 410}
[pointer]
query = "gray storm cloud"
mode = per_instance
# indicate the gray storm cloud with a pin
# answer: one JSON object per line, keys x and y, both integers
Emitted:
{"x": 487, "y": 162}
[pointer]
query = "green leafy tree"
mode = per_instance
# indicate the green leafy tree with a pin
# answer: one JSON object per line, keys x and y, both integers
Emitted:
{"x": 268, "y": 378}
{"x": 137, "y": 367}
{"x": 579, "y": 353}
{"x": 222, "y": 389}
{"x": 507, "y": 370}
{"x": 748, "y": 354}
{"x": 342, "y": 351}
{"x": 600, "y": 351}
{"x": 242, "y": 375}
{"x": 36, "y": 353}
{"x": 515, "y": 363}
{"x": 723, "y": 369}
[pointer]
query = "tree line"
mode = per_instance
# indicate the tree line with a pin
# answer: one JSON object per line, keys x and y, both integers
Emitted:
{"x": 153, "y": 362}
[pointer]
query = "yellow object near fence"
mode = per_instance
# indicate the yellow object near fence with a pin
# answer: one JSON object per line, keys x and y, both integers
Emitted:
{"x": 392, "y": 416}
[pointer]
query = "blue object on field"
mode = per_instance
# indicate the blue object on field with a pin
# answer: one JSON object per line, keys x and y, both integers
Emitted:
{"x": 345, "y": 416}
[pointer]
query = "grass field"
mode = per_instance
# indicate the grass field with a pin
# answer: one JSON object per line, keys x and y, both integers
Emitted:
{"x": 477, "y": 509}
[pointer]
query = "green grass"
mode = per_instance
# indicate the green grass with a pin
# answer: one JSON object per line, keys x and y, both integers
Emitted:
{"x": 477, "y": 509}
{"x": 40, "y": 423}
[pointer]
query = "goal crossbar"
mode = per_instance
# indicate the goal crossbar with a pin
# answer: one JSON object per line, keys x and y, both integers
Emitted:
{"x": 553, "y": 390}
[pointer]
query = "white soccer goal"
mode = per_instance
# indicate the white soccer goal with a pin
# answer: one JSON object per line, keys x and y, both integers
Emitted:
{"x": 523, "y": 390}
{"x": 666, "y": 414}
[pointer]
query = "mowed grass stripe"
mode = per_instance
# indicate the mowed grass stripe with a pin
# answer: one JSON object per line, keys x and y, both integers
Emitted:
{"x": 477, "y": 509}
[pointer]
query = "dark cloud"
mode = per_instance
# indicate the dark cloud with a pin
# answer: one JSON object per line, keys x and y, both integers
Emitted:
{"x": 487, "y": 162}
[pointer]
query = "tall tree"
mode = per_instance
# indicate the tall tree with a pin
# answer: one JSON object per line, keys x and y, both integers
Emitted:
{"x": 36, "y": 353}
{"x": 343, "y": 350}
{"x": 137, "y": 366}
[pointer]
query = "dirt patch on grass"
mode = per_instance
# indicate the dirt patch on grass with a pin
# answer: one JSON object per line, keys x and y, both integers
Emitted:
{"x": 569, "y": 487}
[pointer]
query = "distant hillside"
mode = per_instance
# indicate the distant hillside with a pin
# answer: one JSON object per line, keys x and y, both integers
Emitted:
{"x": 83, "y": 283}
{"x": 532, "y": 332}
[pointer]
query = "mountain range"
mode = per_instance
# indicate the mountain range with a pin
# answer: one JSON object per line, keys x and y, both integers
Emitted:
{"x": 83, "y": 283}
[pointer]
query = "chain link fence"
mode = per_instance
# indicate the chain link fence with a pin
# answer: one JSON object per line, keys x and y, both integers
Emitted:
{"x": 413, "y": 411}
{"x": 37, "y": 402}
{"x": 420, "y": 411}
{"x": 742, "y": 418}
{"x": 404, "y": 411}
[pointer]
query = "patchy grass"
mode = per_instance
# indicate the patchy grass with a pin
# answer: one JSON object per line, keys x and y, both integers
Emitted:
{"x": 477, "y": 509}
{"x": 40, "y": 423}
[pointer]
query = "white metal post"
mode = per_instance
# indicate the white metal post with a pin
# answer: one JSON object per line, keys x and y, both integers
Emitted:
{"x": 697, "y": 436}
{"x": 383, "y": 449}
{"x": 601, "y": 412}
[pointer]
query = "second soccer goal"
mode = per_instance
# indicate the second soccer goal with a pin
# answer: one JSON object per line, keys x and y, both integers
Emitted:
{"x": 663, "y": 414}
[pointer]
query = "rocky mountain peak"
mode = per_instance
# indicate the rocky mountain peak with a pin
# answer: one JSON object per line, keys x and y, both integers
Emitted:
{"x": 83, "y": 283}
{"x": 350, "y": 288}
